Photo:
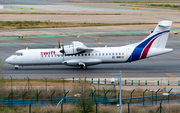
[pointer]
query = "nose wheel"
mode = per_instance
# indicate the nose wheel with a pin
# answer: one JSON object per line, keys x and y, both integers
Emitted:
{"x": 16, "y": 67}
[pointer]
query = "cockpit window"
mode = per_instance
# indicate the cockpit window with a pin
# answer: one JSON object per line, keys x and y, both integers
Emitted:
{"x": 18, "y": 54}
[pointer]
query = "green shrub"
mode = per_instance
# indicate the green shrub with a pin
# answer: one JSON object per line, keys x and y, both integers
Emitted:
{"x": 167, "y": 5}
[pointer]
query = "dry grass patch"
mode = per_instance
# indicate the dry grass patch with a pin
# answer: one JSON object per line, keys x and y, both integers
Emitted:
{"x": 168, "y": 108}
{"x": 163, "y": 6}
{"x": 48, "y": 24}
{"x": 108, "y": 109}
{"x": 35, "y": 83}
{"x": 36, "y": 13}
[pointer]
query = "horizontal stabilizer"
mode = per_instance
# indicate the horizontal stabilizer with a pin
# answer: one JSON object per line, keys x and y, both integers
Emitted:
{"x": 165, "y": 23}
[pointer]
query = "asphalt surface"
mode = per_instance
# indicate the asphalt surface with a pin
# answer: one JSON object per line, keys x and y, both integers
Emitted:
{"x": 153, "y": 67}
{"x": 44, "y": 2}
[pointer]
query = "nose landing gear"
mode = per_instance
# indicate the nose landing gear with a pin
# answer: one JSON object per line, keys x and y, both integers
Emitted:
{"x": 16, "y": 67}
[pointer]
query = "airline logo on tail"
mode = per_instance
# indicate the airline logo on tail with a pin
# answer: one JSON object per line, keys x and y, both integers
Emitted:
{"x": 142, "y": 49}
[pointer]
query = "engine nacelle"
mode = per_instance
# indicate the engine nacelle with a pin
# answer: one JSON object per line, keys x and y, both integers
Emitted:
{"x": 70, "y": 49}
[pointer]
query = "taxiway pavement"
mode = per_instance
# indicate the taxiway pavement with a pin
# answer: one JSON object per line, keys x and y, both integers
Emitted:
{"x": 157, "y": 66}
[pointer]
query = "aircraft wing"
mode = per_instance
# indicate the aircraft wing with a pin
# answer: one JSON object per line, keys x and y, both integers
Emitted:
{"x": 80, "y": 47}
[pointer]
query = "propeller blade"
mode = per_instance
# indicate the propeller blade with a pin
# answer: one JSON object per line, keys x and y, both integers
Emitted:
{"x": 62, "y": 51}
{"x": 59, "y": 44}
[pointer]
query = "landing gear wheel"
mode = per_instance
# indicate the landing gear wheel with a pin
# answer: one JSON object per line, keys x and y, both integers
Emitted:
{"x": 16, "y": 67}
{"x": 81, "y": 66}
{"x": 84, "y": 67}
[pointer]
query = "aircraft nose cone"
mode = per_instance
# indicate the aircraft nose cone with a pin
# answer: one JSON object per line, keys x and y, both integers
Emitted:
{"x": 8, "y": 60}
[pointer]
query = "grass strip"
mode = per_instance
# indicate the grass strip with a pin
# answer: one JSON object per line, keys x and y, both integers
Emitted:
{"x": 68, "y": 108}
{"x": 36, "y": 13}
{"x": 3, "y": 80}
{"x": 121, "y": 1}
{"x": 49, "y": 24}
{"x": 163, "y": 6}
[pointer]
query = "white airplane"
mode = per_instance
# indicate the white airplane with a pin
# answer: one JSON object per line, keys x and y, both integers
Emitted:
{"x": 77, "y": 54}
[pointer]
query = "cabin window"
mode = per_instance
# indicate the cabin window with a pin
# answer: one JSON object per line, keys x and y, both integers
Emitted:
{"x": 41, "y": 55}
{"x": 109, "y": 53}
{"x": 92, "y": 54}
{"x": 89, "y": 54}
{"x": 78, "y": 54}
{"x": 54, "y": 55}
{"x": 116, "y": 54}
{"x": 106, "y": 54}
{"x": 82, "y": 54}
{"x": 122, "y": 53}
{"x": 103, "y": 54}
{"x": 85, "y": 54}
{"x": 48, "y": 55}
{"x": 45, "y": 55}
{"x": 119, "y": 53}
{"x": 99, "y": 54}
{"x": 51, "y": 55}
{"x": 112, "y": 53}
{"x": 96, "y": 54}
{"x": 15, "y": 54}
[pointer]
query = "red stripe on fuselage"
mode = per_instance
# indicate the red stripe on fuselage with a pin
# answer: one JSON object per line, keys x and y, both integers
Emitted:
{"x": 146, "y": 49}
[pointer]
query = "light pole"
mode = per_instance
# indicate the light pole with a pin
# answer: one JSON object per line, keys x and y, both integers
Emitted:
{"x": 120, "y": 92}
{"x": 11, "y": 83}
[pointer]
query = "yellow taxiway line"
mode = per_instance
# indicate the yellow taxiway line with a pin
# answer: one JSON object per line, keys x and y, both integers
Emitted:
{"x": 169, "y": 74}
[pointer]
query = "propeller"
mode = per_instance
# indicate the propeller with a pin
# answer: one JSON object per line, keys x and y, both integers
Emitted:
{"x": 62, "y": 51}
{"x": 59, "y": 44}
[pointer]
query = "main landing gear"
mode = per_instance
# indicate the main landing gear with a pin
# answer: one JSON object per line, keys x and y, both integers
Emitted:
{"x": 82, "y": 65}
{"x": 16, "y": 67}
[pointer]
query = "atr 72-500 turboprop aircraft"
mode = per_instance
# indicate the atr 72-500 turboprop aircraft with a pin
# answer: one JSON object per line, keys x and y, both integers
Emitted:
{"x": 77, "y": 54}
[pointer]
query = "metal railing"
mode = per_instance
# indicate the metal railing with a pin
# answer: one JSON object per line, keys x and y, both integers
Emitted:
{"x": 51, "y": 101}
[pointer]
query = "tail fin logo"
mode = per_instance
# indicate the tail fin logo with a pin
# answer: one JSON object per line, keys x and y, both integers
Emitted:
{"x": 146, "y": 49}
{"x": 142, "y": 49}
